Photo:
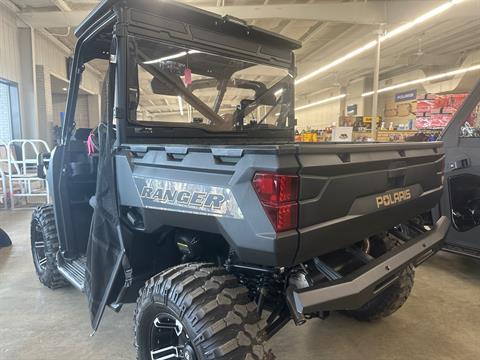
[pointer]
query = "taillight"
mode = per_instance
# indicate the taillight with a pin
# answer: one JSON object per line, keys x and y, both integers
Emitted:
{"x": 278, "y": 195}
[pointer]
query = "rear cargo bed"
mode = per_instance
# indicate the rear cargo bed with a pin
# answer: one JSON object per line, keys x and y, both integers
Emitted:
{"x": 351, "y": 191}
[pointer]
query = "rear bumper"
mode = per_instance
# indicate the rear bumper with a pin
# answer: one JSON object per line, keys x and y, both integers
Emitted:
{"x": 356, "y": 289}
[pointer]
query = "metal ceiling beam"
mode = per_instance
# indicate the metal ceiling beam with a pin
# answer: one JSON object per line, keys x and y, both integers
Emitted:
{"x": 62, "y": 5}
{"x": 313, "y": 31}
{"x": 46, "y": 19}
{"x": 67, "y": 50}
{"x": 390, "y": 66}
{"x": 345, "y": 34}
{"x": 358, "y": 12}
{"x": 10, "y": 5}
{"x": 372, "y": 12}
{"x": 394, "y": 60}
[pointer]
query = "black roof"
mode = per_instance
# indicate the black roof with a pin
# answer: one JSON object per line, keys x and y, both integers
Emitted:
{"x": 191, "y": 15}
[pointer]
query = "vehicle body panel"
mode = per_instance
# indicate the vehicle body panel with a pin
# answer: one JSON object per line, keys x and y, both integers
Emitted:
{"x": 340, "y": 185}
{"x": 462, "y": 167}
{"x": 338, "y": 199}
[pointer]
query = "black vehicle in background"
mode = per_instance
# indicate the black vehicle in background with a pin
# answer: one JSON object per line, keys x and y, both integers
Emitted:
{"x": 210, "y": 217}
{"x": 461, "y": 198}
{"x": 4, "y": 239}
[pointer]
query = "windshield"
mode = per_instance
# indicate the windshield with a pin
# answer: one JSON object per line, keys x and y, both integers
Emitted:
{"x": 178, "y": 87}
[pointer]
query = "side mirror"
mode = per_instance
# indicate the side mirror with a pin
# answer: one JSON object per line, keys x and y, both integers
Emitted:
{"x": 161, "y": 88}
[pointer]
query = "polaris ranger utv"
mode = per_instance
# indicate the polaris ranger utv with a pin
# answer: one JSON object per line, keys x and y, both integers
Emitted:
{"x": 210, "y": 217}
{"x": 461, "y": 197}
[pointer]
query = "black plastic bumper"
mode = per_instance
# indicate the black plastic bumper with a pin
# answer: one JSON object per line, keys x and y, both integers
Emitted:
{"x": 356, "y": 289}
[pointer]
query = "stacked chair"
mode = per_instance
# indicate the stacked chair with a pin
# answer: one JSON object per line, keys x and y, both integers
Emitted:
{"x": 19, "y": 179}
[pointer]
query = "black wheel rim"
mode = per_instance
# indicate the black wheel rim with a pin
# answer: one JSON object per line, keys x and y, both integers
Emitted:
{"x": 39, "y": 249}
{"x": 169, "y": 339}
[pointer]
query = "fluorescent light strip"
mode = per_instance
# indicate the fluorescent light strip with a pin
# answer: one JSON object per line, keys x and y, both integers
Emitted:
{"x": 324, "y": 101}
{"x": 426, "y": 79}
{"x": 339, "y": 61}
{"x": 171, "y": 57}
{"x": 401, "y": 29}
{"x": 421, "y": 19}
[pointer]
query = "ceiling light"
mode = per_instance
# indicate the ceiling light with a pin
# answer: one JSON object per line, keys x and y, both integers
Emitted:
{"x": 171, "y": 57}
{"x": 64, "y": 89}
{"x": 401, "y": 29}
{"x": 339, "y": 61}
{"x": 421, "y": 19}
{"x": 426, "y": 79}
{"x": 324, "y": 101}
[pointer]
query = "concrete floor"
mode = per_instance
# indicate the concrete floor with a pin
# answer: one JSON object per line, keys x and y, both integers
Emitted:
{"x": 440, "y": 321}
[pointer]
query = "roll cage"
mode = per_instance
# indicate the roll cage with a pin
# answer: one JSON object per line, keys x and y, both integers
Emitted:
{"x": 107, "y": 32}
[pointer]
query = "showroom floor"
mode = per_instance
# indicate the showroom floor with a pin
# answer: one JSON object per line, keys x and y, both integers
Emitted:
{"x": 440, "y": 321}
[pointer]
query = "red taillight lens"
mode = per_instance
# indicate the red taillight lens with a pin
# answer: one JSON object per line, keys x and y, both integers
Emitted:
{"x": 283, "y": 217}
{"x": 276, "y": 189}
{"x": 278, "y": 195}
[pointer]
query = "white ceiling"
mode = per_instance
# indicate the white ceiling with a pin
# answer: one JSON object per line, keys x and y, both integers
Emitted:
{"x": 439, "y": 44}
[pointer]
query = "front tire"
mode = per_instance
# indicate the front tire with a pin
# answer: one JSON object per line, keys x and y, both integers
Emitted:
{"x": 392, "y": 298}
{"x": 197, "y": 312}
{"x": 44, "y": 245}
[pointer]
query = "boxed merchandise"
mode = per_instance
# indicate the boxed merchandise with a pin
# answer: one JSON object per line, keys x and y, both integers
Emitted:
{"x": 434, "y": 111}
{"x": 342, "y": 134}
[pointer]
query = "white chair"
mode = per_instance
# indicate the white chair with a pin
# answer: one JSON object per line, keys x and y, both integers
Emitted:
{"x": 22, "y": 174}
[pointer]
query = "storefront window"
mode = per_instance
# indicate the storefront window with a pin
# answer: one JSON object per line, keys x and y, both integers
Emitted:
{"x": 9, "y": 112}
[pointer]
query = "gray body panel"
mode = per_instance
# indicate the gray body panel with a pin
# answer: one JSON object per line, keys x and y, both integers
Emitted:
{"x": 252, "y": 235}
{"x": 337, "y": 197}
{"x": 462, "y": 161}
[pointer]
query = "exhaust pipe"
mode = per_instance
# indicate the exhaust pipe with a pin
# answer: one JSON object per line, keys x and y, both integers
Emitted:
{"x": 298, "y": 280}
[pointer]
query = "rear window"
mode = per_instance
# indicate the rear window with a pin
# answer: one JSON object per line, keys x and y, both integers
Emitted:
{"x": 178, "y": 87}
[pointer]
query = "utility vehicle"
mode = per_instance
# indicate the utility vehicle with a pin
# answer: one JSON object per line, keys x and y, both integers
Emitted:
{"x": 461, "y": 198}
{"x": 209, "y": 216}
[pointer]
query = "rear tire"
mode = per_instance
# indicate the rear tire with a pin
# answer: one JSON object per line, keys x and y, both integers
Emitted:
{"x": 392, "y": 298}
{"x": 44, "y": 244}
{"x": 203, "y": 312}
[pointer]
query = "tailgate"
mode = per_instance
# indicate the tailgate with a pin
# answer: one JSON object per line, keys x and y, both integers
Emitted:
{"x": 351, "y": 191}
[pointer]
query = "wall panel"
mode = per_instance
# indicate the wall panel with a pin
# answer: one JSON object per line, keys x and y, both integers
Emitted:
{"x": 9, "y": 52}
{"x": 54, "y": 58}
